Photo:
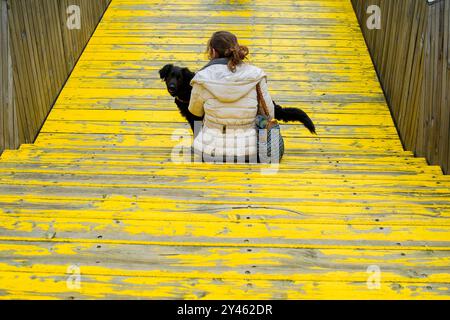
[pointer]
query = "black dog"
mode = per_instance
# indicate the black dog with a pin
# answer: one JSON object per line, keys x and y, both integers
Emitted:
{"x": 178, "y": 84}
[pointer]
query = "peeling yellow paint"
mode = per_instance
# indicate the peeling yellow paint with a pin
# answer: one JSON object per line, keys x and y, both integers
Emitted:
{"x": 98, "y": 189}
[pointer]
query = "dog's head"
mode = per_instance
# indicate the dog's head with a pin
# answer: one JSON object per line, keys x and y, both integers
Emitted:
{"x": 177, "y": 79}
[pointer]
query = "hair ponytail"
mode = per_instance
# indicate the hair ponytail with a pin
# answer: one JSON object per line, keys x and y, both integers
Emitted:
{"x": 226, "y": 45}
{"x": 238, "y": 54}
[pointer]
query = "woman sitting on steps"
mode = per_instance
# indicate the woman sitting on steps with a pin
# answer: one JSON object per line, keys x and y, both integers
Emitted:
{"x": 224, "y": 92}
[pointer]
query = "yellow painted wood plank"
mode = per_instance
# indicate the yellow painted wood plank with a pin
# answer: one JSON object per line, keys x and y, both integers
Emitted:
{"x": 242, "y": 32}
{"x": 54, "y": 286}
{"x": 355, "y": 108}
{"x": 344, "y": 265}
{"x": 278, "y": 86}
{"x": 272, "y": 68}
{"x": 148, "y": 128}
{"x": 175, "y": 116}
{"x": 95, "y": 141}
{"x": 126, "y": 15}
{"x": 140, "y": 176}
{"x": 136, "y": 166}
{"x": 300, "y": 5}
{"x": 202, "y": 232}
{"x": 294, "y": 95}
{"x": 257, "y": 58}
{"x": 337, "y": 176}
{"x": 246, "y": 244}
{"x": 144, "y": 73}
{"x": 430, "y": 217}
{"x": 199, "y": 188}
{"x": 164, "y": 155}
{"x": 291, "y": 3}
{"x": 99, "y": 186}
{"x": 113, "y": 208}
{"x": 200, "y": 39}
{"x": 256, "y": 31}
{"x": 33, "y": 153}
{"x": 226, "y": 197}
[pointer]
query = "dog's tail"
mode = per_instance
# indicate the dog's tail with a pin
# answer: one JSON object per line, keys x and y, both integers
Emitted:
{"x": 294, "y": 114}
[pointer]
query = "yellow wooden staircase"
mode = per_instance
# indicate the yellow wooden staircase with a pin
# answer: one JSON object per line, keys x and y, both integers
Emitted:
{"x": 98, "y": 195}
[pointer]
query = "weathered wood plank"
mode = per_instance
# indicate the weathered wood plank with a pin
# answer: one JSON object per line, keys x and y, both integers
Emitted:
{"x": 21, "y": 285}
{"x": 409, "y": 266}
{"x": 417, "y": 90}
{"x": 112, "y": 208}
{"x": 36, "y": 61}
{"x": 9, "y": 131}
{"x": 183, "y": 138}
{"x": 202, "y": 233}
{"x": 99, "y": 189}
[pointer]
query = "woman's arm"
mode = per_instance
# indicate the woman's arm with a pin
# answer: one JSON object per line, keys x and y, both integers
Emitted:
{"x": 197, "y": 101}
{"x": 267, "y": 98}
